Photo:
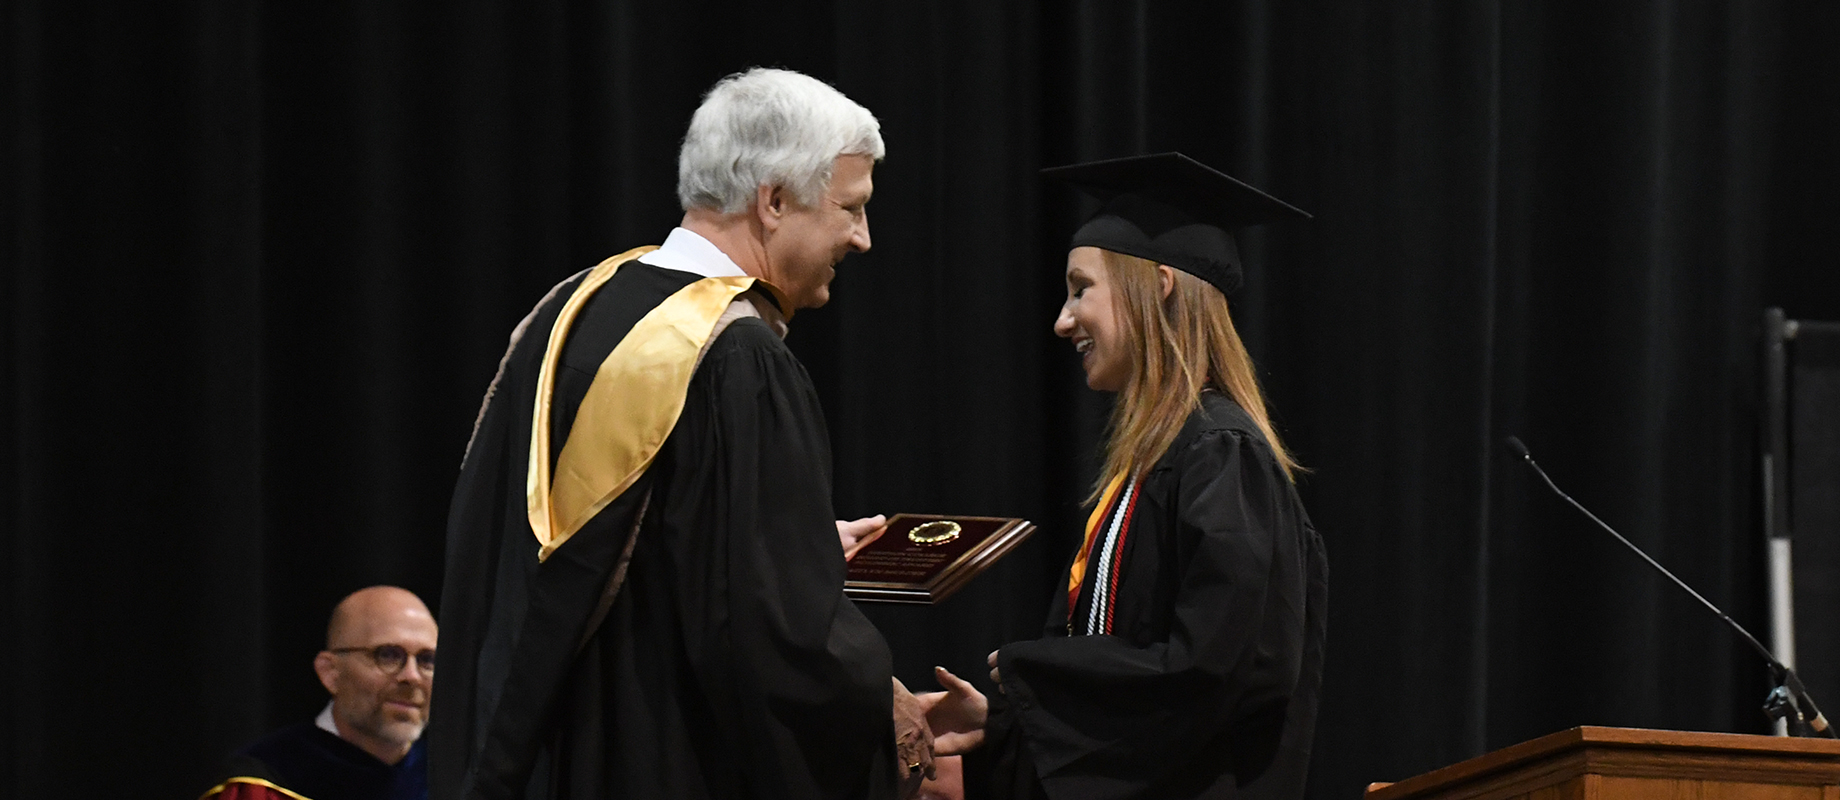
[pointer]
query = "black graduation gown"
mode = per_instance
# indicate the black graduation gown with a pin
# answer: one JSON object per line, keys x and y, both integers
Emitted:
{"x": 1207, "y": 686}
{"x": 317, "y": 764}
{"x": 731, "y": 664}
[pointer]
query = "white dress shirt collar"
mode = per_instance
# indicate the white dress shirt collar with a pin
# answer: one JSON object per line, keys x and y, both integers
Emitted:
{"x": 324, "y": 720}
{"x": 685, "y": 251}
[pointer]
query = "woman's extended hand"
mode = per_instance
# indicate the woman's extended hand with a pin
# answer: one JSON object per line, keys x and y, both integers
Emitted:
{"x": 956, "y": 715}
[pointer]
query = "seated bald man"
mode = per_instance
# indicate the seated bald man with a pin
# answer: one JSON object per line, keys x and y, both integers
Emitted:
{"x": 366, "y": 745}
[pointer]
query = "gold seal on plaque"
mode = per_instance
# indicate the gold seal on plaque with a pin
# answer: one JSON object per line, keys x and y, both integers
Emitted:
{"x": 935, "y": 532}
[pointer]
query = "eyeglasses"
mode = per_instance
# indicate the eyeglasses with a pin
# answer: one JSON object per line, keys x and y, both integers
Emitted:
{"x": 391, "y": 658}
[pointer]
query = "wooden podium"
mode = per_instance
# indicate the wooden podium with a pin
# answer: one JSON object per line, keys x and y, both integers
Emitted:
{"x": 1590, "y": 763}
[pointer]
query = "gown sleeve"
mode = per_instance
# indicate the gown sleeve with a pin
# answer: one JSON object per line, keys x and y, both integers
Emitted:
{"x": 508, "y": 624}
{"x": 788, "y": 664}
{"x": 1102, "y": 717}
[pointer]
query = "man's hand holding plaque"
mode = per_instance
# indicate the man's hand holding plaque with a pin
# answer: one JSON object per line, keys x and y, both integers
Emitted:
{"x": 858, "y": 532}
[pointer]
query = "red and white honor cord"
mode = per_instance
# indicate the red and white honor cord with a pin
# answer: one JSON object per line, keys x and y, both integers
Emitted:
{"x": 1105, "y": 589}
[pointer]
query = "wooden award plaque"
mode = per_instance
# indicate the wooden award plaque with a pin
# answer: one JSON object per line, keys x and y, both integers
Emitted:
{"x": 924, "y": 558}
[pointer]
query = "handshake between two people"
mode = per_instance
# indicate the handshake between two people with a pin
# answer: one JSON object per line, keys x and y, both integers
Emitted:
{"x": 929, "y": 724}
{"x": 955, "y": 716}
{"x": 936, "y": 724}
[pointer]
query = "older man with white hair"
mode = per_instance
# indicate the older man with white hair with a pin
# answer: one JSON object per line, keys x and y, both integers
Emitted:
{"x": 644, "y": 592}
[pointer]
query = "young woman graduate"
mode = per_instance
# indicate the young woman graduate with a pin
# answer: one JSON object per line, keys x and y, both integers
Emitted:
{"x": 1184, "y": 657}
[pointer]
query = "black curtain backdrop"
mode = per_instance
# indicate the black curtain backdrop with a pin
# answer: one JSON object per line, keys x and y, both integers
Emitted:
{"x": 260, "y": 260}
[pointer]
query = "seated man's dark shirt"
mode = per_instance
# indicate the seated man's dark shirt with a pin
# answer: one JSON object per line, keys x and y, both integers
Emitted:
{"x": 307, "y": 761}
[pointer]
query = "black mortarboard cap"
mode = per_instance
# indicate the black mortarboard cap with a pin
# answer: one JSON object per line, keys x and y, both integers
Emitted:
{"x": 1173, "y": 210}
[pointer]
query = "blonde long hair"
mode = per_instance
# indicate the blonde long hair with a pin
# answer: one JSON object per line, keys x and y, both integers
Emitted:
{"x": 1181, "y": 344}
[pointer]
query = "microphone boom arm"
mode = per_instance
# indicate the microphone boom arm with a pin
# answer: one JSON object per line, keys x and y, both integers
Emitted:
{"x": 1789, "y": 699}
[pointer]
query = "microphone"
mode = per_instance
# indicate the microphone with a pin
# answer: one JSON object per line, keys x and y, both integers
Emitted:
{"x": 1789, "y": 700}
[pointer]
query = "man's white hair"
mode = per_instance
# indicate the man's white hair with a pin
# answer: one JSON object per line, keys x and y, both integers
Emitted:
{"x": 769, "y": 127}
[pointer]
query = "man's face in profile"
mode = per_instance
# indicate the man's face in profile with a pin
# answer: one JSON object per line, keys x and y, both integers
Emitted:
{"x": 378, "y": 667}
{"x": 802, "y": 254}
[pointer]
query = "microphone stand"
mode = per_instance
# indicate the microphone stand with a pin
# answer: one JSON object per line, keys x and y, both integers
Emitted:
{"x": 1789, "y": 700}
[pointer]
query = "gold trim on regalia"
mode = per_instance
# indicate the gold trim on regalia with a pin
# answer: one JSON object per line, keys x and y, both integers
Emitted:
{"x": 630, "y": 408}
{"x": 219, "y": 788}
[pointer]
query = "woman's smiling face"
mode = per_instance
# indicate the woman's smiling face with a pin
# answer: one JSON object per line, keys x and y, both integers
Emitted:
{"x": 1089, "y": 318}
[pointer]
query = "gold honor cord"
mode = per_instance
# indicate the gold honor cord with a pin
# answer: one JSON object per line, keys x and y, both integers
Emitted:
{"x": 630, "y": 408}
{"x": 1077, "y": 574}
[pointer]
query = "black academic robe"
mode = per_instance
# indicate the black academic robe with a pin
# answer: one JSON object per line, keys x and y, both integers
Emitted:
{"x": 310, "y": 762}
{"x": 731, "y": 664}
{"x": 1207, "y": 684}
